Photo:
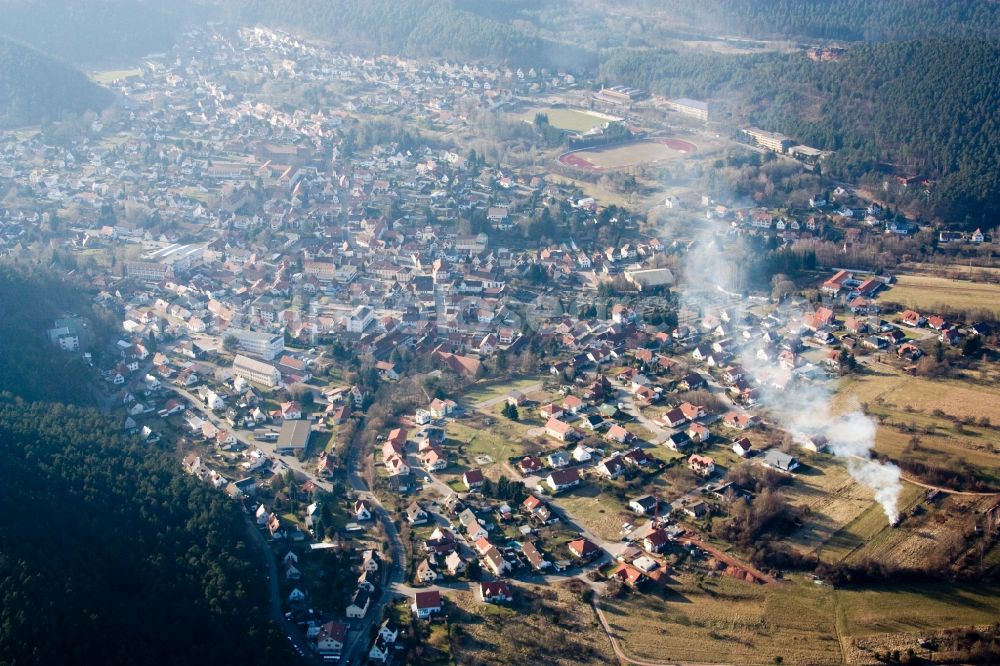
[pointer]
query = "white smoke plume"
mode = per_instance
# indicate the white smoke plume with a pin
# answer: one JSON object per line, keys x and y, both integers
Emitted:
{"x": 805, "y": 407}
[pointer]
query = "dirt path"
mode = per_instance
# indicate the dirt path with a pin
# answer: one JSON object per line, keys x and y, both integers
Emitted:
{"x": 965, "y": 493}
{"x": 733, "y": 562}
{"x": 841, "y": 638}
{"x": 621, "y": 654}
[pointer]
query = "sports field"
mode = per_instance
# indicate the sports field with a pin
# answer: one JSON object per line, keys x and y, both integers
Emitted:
{"x": 113, "y": 75}
{"x": 651, "y": 151}
{"x": 570, "y": 120}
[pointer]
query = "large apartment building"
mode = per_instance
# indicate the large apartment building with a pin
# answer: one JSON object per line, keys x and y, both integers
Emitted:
{"x": 690, "y": 107}
{"x": 359, "y": 320}
{"x": 148, "y": 271}
{"x": 259, "y": 343}
{"x": 256, "y": 371}
{"x": 775, "y": 141}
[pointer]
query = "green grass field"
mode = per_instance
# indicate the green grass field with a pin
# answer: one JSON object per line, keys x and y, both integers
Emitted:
{"x": 567, "y": 119}
{"x": 112, "y": 75}
{"x": 598, "y": 512}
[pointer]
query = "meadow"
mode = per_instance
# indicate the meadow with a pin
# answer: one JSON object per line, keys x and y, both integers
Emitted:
{"x": 929, "y": 294}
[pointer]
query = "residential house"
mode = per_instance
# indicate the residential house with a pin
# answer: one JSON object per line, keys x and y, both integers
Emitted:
{"x": 363, "y": 509}
{"x": 741, "y": 421}
{"x": 562, "y": 479}
{"x": 701, "y": 465}
{"x": 360, "y": 601}
{"x": 493, "y": 592}
{"x": 583, "y": 549}
{"x": 617, "y": 433}
{"x": 425, "y": 573}
{"x": 494, "y": 562}
{"x": 473, "y": 479}
{"x": 611, "y": 467}
{"x": 656, "y": 541}
{"x": 780, "y": 461}
{"x": 534, "y": 556}
{"x": 643, "y": 505}
{"x": 331, "y": 638}
{"x": 426, "y": 604}
{"x": 559, "y": 430}
{"x": 742, "y": 447}
{"x": 415, "y": 514}
{"x": 557, "y": 459}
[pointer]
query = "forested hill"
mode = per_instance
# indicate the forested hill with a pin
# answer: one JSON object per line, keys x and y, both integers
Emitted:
{"x": 930, "y": 108}
{"x": 467, "y": 30}
{"x": 95, "y": 33}
{"x": 849, "y": 20}
{"x": 36, "y": 88}
{"x": 109, "y": 554}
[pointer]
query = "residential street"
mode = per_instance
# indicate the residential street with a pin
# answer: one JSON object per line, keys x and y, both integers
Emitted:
{"x": 284, "y": 624}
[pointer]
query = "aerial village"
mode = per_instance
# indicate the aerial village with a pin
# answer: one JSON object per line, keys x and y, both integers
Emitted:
{"x": 357, "y": 344}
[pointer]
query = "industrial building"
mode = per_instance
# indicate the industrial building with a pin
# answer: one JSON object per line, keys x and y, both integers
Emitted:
{"x": 621, "y": 95}
{"x": 650, "y": 277}
{"x": 294, "y": 436}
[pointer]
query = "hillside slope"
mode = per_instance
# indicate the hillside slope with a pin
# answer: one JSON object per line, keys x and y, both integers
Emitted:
{"x": 36, "y": 88}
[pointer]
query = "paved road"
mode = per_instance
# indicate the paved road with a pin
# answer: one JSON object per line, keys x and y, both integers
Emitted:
{"x": 243, "y": 436}
{"x": 394, "y": 575}
{"x": 284, "y": 624}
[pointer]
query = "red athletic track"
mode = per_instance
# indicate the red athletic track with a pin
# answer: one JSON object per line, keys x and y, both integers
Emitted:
{"x": 574, "y": 160}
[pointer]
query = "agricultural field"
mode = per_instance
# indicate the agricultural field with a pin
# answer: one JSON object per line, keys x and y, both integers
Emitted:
{"x": 708, "y": 620}
{"x": 905, "y": 608}
{"x": 865, "y": 534}
{"x": 833, "y": 500}
{"x": 725, "y": 620}
{"x": 570, "y": 120}
{"x": 929, "y": 294}
{"x": 915, "y": 407}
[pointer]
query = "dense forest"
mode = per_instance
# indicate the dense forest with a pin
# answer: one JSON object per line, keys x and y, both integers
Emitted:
{"x": 929, "y": 108}
{"x": 98, "y": 33}
{"x": 109, "y": 554}
{"x": 105, "y": 537}
{"x": 849, "y": 20}
{"x": 465, "y": 30}
{"x": 37, "y": 88}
